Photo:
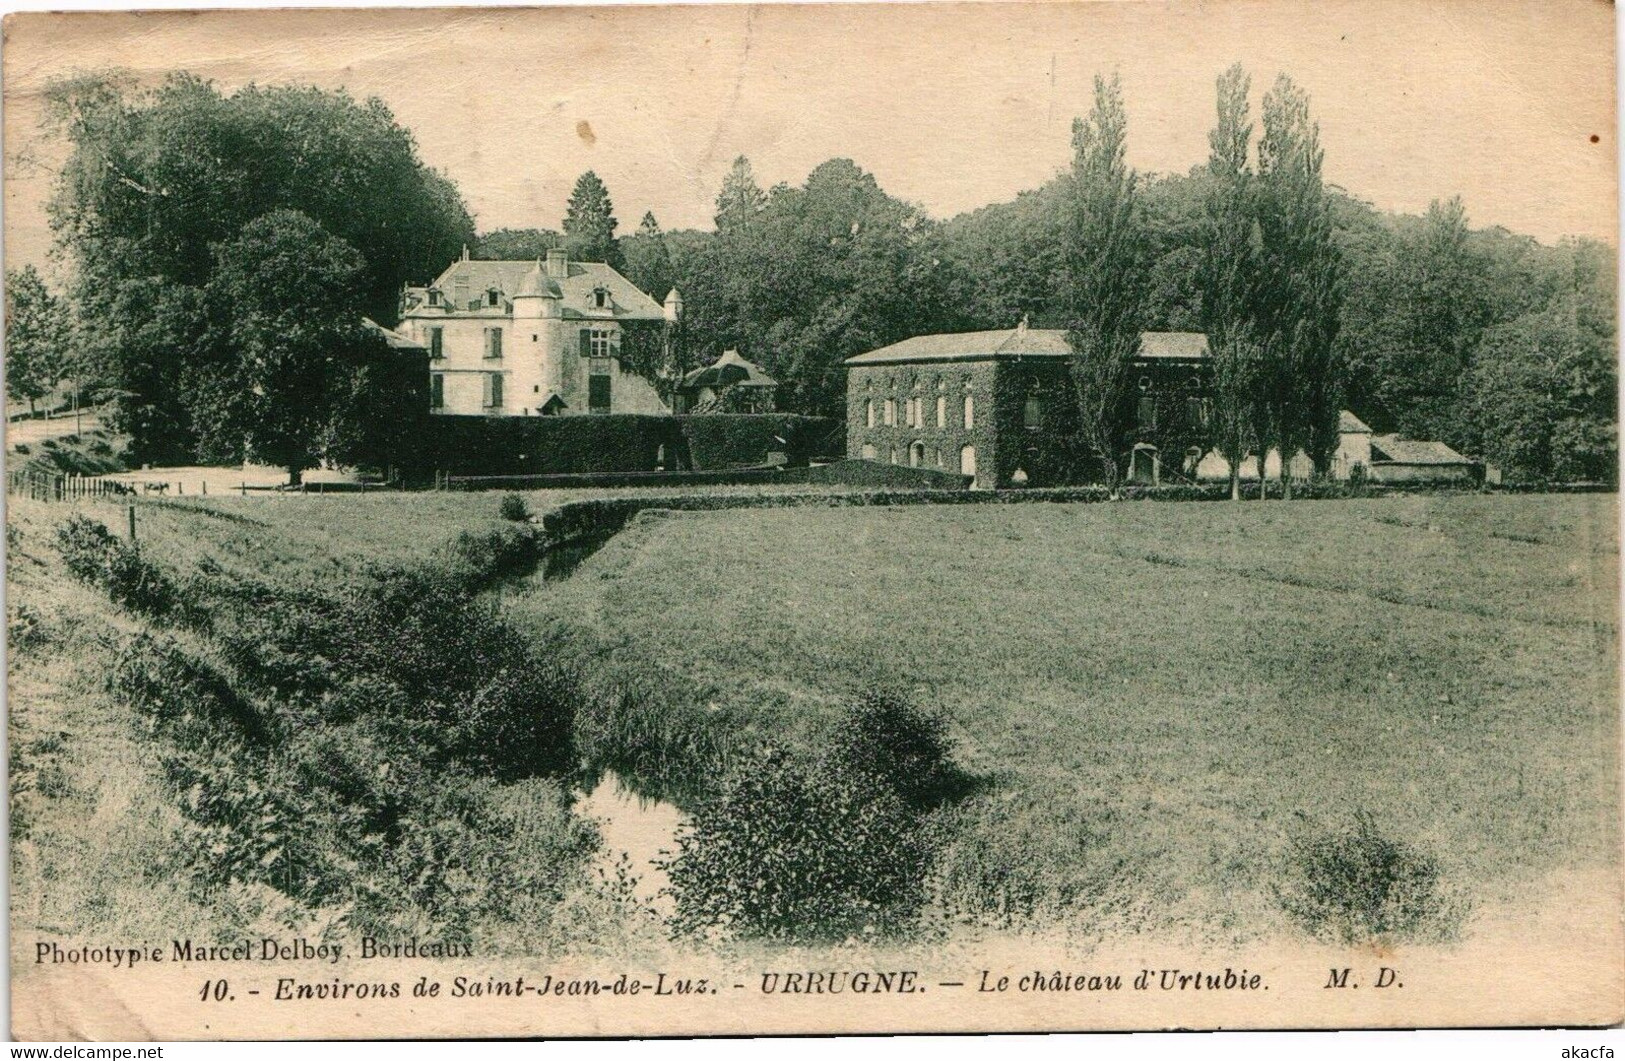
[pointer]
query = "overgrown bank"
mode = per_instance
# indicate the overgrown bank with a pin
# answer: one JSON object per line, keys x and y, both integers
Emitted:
{"x": 377, "y": 755}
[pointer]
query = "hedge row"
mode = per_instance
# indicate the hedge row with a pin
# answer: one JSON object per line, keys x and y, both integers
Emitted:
{"x": 842, "y": 472}
{"x": 580, "y": 521}
{"x": 620, "y": 443}
{"x": 858, "y": 472}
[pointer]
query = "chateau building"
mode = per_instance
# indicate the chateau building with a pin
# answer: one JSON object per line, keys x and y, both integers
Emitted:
{"x": 994, "y": 404}
{"x": 536, "y": 338}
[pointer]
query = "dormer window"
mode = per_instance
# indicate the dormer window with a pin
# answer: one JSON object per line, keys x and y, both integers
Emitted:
{"x": 600, "y": 298}
{"x": 491, "y": 296}
{"x": 434, "y": 297}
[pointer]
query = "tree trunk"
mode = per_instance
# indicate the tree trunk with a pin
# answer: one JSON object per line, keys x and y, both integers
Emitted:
{"x": 296, "y": 475}
{"x": 1286, "y": 479}
{"x": 1235, "y": 479}
{"x": 1262, "y": 456}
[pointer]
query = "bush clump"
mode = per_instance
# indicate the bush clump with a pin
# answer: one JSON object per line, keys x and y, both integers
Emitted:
{"x": 95, "y": 555}
{"x": 802, "y": 849}
{"x": 885, "y": 736}
{"x": 1358, "y": 885}
{"x": 513, "y": 507}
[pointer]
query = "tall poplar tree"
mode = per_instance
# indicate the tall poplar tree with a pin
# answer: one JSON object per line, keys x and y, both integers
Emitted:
{"x": 589, "y": 223}
{"x": 1106, "y": 275}
{"x": 1301, "y": 290}
{"x": 1229, "y": 275}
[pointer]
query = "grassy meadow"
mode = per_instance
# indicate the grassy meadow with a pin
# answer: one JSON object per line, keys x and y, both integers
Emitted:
{"x": 1154, "y": 700}
{"x": 1158, "y": 697}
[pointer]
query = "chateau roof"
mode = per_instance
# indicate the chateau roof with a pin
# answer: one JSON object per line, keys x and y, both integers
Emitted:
{"x": 1349, "y": 424}
{"x": 1410, "y": 451}
{"x": 1010, "y": 343}
{"x": 576, "y": 289}
{"x": 394, "y": 339}
{"x": 536, "y": 283}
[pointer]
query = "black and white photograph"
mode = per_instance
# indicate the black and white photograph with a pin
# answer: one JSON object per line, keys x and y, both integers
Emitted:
{"x": 755, "y": 520}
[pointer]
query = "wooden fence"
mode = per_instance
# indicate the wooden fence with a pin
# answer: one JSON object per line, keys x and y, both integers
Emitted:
{"x": 42, "y": 486}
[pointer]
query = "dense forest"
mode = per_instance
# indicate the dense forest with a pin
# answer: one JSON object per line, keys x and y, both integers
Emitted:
{"x": 1497, "y": 344}
{"x": 1493, "y": 342}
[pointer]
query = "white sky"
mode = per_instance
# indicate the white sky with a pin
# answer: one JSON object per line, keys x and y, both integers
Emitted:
{"x": 951, "y": 106}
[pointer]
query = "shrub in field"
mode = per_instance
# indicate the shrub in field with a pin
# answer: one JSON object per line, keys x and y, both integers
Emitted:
{"x": 479, "y": 560}
{"x": 887, "y": 737}
{"x": 1357, "y": 884}
{"x": 23, "y": 626}
{"x": 22, "y": 449}
{"x": 94, "y": 554}
{"x": 513, "y": 507}
{"x": 803, "y": 851}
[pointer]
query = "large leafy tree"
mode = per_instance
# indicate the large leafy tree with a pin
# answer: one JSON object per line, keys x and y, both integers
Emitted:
{"x": 648, "y": 259}
{"x": 282, "y": 296}
{"x": 1541, "y": 394}
{"x": 1300, "y": 285}
{"x": 589, "y": 222}
{"x": 820, "y": 272}
{"x": 156, "y": 180}
{"x": 1106, "y": 275}
{"x": 38, "y": 335}
{"x": 1229, "y": 275}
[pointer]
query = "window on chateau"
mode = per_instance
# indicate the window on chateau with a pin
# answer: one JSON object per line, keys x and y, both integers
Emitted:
{"x": 437, "y": 344}
{"x": 1148, "y": 414}
{"x": 437, "y": 391}
{"x": 1032, "y": 412}
{"x": 942, "y": 411}
{"x": 493, "y": 342}
{"x": 434, "y": 298}
{"x": 600, "y": 298}
{"x": 599, "y": 386}
{"x": 891, "y": 413}
{"x": 493, "y": 390}
{"x": 869, "y": 413}
{"x": 491, "y": 296}
{"x": 603, "y": 342}
{"x": 970, "y": 411}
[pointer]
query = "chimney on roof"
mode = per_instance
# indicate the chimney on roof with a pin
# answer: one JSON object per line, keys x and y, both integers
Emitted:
{"x": 558, "y": 264}
{"x": 673, "y": 306}
{"x": 465, "y": 252}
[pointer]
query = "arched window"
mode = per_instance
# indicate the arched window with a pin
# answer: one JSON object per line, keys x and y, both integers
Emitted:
{"x": 942, "y": 410}
{"x": 869, "y": 412}
{"x": 970, "y": 409}
{"x": 916, "y": 454}
{"x": 967, "y": 460}
{"x": 891, "y": 411}
{"x": 1032, "y": 411}
{"x": 868, "y": 451}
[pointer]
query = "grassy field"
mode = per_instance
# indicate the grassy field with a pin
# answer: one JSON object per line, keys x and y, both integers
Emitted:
{"x": 1155, "y": 698}
{"x": 1159, "y": 696}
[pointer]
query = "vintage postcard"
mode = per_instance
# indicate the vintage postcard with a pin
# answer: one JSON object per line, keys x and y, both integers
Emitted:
{"x": 765, "y": 519}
